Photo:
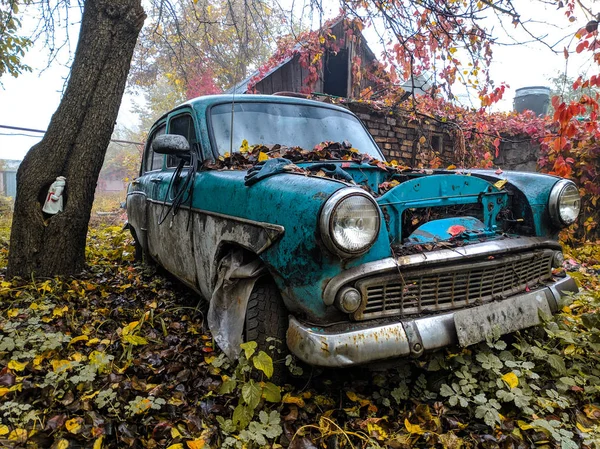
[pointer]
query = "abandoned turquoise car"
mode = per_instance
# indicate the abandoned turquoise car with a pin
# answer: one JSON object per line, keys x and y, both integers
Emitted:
{"x": 282, "y": 214}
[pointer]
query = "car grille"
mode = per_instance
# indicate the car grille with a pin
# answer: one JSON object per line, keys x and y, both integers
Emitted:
{"x": 426, "y": 290}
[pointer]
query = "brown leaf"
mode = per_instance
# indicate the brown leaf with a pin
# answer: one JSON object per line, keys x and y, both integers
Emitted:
{"x": 55, "y": 422}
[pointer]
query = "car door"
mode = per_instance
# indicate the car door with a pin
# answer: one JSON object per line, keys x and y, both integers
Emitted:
{"x": 141, "y": 189}
{"x": 170, "y": 229}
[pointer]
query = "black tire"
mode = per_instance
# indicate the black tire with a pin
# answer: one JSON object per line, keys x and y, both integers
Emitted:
{"x": 267, "y": 324}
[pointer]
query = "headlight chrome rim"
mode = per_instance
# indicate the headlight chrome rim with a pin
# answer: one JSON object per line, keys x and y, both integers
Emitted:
{"x": 326, "y": 222}
{"x": 554, "y": 203}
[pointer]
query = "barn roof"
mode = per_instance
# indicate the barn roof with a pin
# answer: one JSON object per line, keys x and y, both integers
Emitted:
{"x": 242, "y": 86}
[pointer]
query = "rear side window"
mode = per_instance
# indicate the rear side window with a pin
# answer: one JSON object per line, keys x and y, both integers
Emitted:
{"x": 182, "y": 125}
{"x": 153, "y": 161}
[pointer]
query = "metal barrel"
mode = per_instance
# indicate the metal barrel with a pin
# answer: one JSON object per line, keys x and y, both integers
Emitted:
{"x": 533, "y": 98}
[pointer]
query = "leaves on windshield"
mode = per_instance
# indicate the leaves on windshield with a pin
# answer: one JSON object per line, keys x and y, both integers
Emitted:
{"x": 250, "y": 155}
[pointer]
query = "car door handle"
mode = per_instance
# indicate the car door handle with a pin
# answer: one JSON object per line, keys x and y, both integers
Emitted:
{"x": 155, "y": 180}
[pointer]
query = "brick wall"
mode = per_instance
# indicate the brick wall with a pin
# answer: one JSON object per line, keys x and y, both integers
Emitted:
{"x": 399, "y": 138}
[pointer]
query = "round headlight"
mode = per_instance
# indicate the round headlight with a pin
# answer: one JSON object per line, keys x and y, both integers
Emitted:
{"x": 564, "y": 203}
{"x": 349, "y": 222}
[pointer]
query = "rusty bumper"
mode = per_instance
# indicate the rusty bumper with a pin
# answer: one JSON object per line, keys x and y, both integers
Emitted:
{"x": 359, "y": 343}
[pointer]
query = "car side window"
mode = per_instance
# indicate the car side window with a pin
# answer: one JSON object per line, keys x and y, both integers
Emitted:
{"x": 153, "y": 161}
{"x": 182, "y": 125}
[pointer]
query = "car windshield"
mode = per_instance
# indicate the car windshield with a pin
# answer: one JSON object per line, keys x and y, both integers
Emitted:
{"x": 288, "y": 125}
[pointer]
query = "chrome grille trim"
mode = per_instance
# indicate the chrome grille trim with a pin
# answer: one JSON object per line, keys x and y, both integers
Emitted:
{"x": 430, "y": 290}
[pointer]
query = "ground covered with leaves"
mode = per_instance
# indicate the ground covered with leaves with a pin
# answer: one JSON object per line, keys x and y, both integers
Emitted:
{"x": 119, "y": 357}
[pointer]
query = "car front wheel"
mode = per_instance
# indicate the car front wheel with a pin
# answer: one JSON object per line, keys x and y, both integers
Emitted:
{"x": 267, "y": 323}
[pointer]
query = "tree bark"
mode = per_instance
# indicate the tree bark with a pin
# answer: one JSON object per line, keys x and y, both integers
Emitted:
{"x": 74, "y": 144}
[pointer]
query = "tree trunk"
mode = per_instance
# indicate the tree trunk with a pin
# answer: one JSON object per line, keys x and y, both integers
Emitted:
{"x": 75, "y": 144}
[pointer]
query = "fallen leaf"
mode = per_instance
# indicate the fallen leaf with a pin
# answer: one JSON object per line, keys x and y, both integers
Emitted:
{"x": 130, "y": 327}
{"x": 500, "y": 184}
{"x": 196, "y": 444}
{"x": 455, "y": 230}
{"x": 74, "y": 425}
{"x": 62, "y": 444}
{"x": 583, "y": 429}
{"x": 98, "y": 442}
{"x": 18, "y": 435}
{"x": 511, "y": 379}
{"x": 523, "y": 425}
{"x": 289, "y": 399}
{"x": 80, "y": 338}
{"x": 16, "y": 366}
{"x": 413, "y": 428}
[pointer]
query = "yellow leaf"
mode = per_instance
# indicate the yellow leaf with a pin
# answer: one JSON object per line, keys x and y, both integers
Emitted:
{"x": 175, "y": 446}
{"x": 4, "y": 391}
{"x": 37, "y": 360}
{"x": 130, "y": 327}
{"x": 80, "y": 338}
{"x": 16, "y": 366}
{"x": 175, "y": 433}
{"x": 569, "y": 349}
{"x": 92, "y": 341}
{"x": 87, "y": 397}
{"x": 511, "y": 379}
{"x": 524, "y": 426}
{"x": 244, "y": 147}
{"x": 60, "y": 311}
{"x": 98, "y": 442}
{"x": 34, "y": 306}
{"x": 451, "y": 167}
{"x": 500, "y": 183}
{"x": 135, "y": 340}
{"x": 175, "y": 402}
{"x": 452, "y": 50}
{"x": 592, "y": 412}
{"x": 352, "y": 396}
{"x": 289, "y": 399}
{"x": 422, "y": 140}
{"x": 196, "y": 444}
{"x": 45, "y": 287}
{"x": 12, "y": 313}
{"x": 4, "y": 430}
{"x": 376, "y": 431}
{"x": 413, "y": 428}
{"x": 583, "y": 429}
{"x": 262, "y": 156}
{"x": 62, "y": 444}
{"x": 74, "y": 425}
{"x": 19, "y": 435}
{"x": 62, "y": 365}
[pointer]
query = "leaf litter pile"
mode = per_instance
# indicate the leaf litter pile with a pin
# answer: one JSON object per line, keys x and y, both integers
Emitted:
{"x": 119, "y": 357}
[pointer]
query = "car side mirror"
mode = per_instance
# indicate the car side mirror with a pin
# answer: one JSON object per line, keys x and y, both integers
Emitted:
{"x": 172, "y": 144}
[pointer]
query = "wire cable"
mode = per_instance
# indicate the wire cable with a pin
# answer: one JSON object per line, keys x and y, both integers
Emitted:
{"x": 177, "y": 194}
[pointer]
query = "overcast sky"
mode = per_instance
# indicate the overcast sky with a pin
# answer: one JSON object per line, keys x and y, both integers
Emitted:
{"x": 30, "y": 100}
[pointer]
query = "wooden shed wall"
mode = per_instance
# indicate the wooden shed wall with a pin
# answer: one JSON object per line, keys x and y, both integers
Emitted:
{"x": 289, "y": 76}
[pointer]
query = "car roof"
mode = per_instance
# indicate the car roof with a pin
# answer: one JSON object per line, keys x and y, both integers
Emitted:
{"x": 206, "y": 101}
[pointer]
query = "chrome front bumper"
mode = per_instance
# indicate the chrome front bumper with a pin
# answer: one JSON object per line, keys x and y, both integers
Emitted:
{"x": 359, "y": 343}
